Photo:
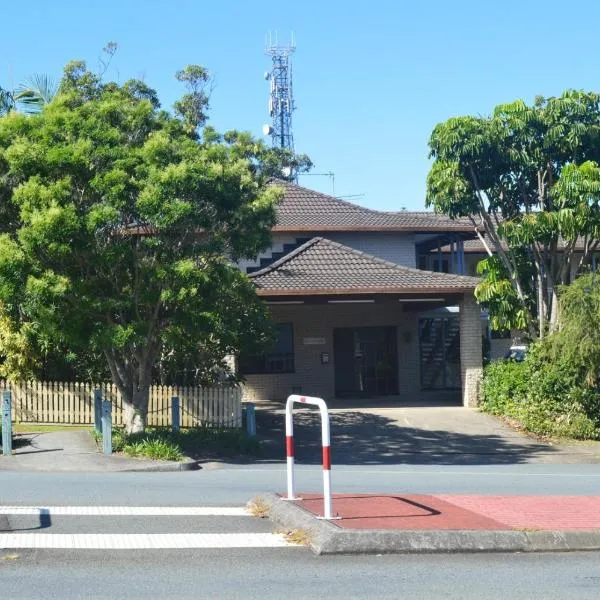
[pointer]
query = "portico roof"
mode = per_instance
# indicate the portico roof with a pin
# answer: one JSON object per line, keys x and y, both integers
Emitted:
{"x": 323, "y": 267}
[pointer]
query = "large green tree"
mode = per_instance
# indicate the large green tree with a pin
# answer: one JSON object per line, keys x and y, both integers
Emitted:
{"x": 126, "y": 221}
{"x": 527, "y": 176}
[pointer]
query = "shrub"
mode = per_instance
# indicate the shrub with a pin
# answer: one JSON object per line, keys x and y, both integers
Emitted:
{"x": 154, "y": 448}
{"x": 548, "y": 396}
{"x": 504, "y": 384}
{"x": 161, "y": 443}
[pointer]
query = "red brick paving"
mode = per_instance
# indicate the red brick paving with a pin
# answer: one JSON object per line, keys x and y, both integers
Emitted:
{"x": 399, "y": 512}
{"x": 446, "y": 511}
{"x": 535, "y": 512}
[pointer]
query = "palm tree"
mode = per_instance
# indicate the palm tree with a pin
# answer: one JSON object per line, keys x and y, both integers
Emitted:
{"x": 30, "y": 97}
{"x": 35, "y": 93}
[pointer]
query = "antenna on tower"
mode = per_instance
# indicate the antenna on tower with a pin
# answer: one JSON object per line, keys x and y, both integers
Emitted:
{"x": 281, "y": 97}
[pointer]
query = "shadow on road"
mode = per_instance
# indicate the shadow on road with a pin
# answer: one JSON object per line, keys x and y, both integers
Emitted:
{"x": 19, "y": 441}
{"x": 362, "y": 438}
{"x": 45, "y": 522}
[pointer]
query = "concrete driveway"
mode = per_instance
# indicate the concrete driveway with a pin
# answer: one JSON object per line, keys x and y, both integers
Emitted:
{"x": 413, "y": 435}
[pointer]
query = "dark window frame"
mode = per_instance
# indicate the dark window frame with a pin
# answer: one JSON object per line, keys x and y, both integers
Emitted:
{"x": 269, "y": 362}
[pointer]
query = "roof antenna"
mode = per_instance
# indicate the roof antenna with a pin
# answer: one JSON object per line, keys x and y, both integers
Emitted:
{"x": 329, "y": 174}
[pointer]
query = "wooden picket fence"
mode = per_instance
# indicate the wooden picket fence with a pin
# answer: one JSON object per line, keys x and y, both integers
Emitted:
{"x": 72, "y": 403}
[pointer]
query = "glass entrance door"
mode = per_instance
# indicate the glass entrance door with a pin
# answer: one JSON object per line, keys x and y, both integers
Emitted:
{"x": 440, "y": 353}
{"x": 366, "y": 361}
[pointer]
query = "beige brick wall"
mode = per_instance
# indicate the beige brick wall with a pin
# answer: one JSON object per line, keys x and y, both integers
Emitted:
{"x": 470, "y": 350}
{"x": 319, "y": 321}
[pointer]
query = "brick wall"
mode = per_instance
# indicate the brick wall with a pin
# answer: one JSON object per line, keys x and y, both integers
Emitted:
{"x": 277, "y": 242}
{"x": 319, "y": 321}
{"x": 398, "y": 248}
{"x": 470, "y": 350}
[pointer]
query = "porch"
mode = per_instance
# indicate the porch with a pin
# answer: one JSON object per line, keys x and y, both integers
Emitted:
{"x": 353, "y": 325}
{"x": 361, "y": 351}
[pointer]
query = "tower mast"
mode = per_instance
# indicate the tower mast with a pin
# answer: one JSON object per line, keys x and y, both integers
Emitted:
{"x": 281, "y": 96}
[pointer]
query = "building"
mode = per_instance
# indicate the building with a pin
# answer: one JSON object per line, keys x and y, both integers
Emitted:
{"x": 357, "y": 312}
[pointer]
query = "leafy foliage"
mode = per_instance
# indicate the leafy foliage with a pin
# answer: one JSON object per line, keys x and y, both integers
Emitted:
{"x": 162, "y": 443}
{"x": 578, "y": 341}
{"x": 529, "y": 176}
{"x": 126, "y": 223}
{"x": 193, "y": 105}
{"x": 556, "y": 391}
{"x": 496, "y": 294}
{"x": 546, "y": 396}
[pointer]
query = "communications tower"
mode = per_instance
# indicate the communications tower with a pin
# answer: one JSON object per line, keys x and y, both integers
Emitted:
{"x": 281, "y": 96}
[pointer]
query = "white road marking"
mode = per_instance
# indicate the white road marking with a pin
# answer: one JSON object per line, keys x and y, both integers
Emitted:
{"x": 128, "y": 511}
{"x": 141, "y": 541}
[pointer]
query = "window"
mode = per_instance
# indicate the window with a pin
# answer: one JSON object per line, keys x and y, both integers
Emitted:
{"x": 433, "y": 263}
{"x": 440, "y": 266}
{"x": 500, "y": 335}
{"x": 278, "y": 359}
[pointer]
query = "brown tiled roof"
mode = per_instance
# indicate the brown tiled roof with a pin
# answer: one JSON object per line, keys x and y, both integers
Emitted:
{"x": 323, "y": 267}
{"x": 306, "y": 210}
{"x": 475, "y": 246}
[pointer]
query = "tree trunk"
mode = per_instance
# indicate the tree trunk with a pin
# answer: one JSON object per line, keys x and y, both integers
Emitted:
{"x": 554, "y": 314}
{"x": 136, "y": 409}
{"x": 132, "y": 375}
{"x": 134, "y": 419}
{"x": 541, "y": 306}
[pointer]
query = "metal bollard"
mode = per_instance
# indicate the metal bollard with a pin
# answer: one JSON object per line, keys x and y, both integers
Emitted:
{"x": 107, "y": 427}
{"x": 98, "y": 411}
{"x": 6, "y": 423}
{"x": 250, "y": 419}
{"x": 326, "y": 448}
{"x": 175, "y": 421}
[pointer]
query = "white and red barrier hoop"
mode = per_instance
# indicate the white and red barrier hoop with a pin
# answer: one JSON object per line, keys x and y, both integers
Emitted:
{"x": 289, "y": 445}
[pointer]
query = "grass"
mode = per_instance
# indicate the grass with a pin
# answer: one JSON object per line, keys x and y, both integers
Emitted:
{"x": 300, "y": 537}
{"x": 155, "y": 449}
{"x": 10, "y": 556}
{"x": 258, "y": 508}
{"x": 33, "y": 428}
{"x": 162, "y": 443}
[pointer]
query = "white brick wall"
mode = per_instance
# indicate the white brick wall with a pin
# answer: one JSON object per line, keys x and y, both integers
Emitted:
{"x": 278, "y": 240}
{"x": 398, "y": 248}
{"x": 470, "y": 350}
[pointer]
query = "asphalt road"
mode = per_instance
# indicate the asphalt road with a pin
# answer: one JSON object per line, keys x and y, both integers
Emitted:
{"x": 235, "y": 485}
{"x": 275, "y": 572}
{"x": 294, "y": 573}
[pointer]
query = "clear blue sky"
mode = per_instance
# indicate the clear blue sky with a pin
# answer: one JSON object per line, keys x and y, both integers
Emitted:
{"x": 371, "y": 78}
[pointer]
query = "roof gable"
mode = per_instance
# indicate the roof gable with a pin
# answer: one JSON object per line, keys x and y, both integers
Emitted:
{"x": 323, "y": 267}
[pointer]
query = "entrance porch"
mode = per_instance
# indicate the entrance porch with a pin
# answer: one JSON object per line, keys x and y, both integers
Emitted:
{"x": 351, "y": 325}
{"x": 389, "y": 348}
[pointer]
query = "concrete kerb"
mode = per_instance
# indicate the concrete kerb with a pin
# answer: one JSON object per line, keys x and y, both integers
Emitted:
{"x": 187, "y": 464}
{"x": 149, "y": 465}
{"x": 327, "y": 538}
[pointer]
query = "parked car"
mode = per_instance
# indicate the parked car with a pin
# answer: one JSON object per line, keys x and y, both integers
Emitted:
{"x": 516, "y": 353}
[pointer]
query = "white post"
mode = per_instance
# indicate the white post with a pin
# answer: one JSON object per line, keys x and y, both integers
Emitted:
{"x": 325, "y": 442}
{"x": 289, "y": 446}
